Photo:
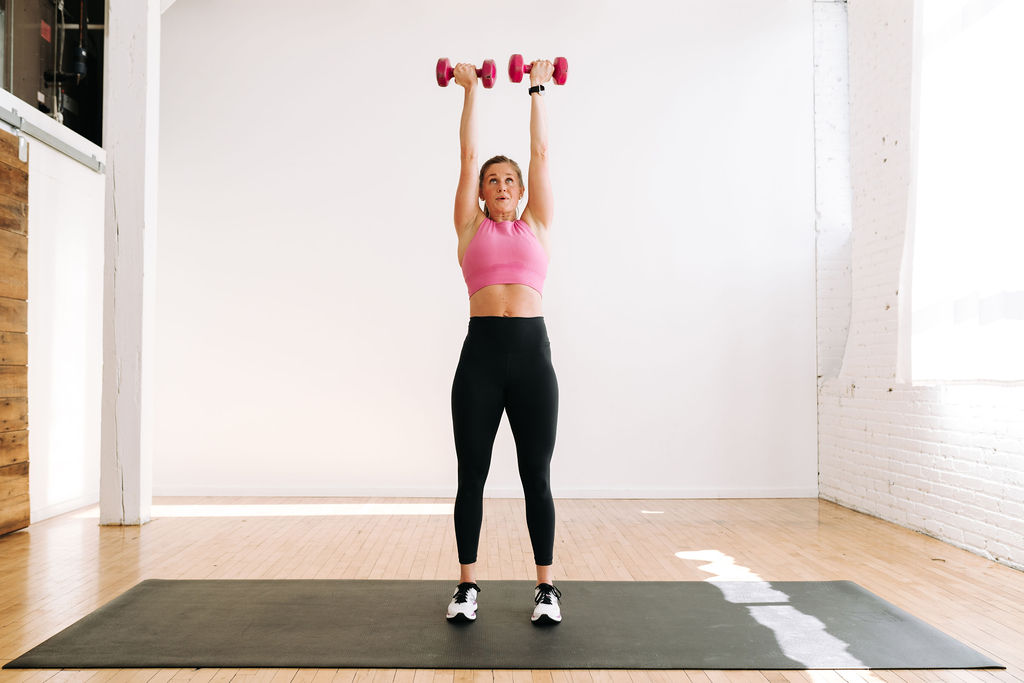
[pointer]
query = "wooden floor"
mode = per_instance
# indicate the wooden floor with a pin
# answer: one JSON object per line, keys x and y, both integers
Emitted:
{"x": 59, "y": 570}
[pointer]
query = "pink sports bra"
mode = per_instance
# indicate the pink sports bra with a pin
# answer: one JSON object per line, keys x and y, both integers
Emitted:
{"x": 504, "y": 253}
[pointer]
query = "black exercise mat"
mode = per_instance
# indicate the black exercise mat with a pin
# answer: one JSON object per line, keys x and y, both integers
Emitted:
{"x": 400, "y": 624}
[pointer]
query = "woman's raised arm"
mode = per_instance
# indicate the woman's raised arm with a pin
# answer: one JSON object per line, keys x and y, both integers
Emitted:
{"x": 467, "y": 195}
{"x": 540, "y": 207}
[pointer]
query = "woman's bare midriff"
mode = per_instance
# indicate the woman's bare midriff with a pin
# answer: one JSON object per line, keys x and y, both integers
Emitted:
{"x": 509, "y": 301}
{"x": 505, "y": 300}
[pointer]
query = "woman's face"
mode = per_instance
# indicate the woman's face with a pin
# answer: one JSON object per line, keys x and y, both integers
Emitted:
{"x": 501, "y": 190}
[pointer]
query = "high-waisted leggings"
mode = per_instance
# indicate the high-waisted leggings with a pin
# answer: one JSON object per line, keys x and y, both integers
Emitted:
{"x": 505, "y": 365}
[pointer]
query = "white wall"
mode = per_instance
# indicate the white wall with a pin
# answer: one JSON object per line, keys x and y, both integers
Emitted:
{"x": 311, "y": 308}
{"x": 947, "y": 459}
{"x": 65, "y": 314}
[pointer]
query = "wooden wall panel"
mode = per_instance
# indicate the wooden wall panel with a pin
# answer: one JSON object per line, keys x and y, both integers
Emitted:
{"x": 14, "y": 381}
{"x": 14, "y": 215}
{"x": 14, "y": 198}
{"x": 13, "y": 447}
{"x": 14, "y": 480}
{"x": 13, "y": 264}
{"x": 13, "y": 414}
{"x": 13, "y": 315}
{"x": 14, "y": 513}
{"x": 14, "y": 456}
{"x": 13, "y": 348}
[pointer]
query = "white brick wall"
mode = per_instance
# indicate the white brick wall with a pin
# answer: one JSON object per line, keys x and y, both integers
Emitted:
{"x": 946, "y": 460}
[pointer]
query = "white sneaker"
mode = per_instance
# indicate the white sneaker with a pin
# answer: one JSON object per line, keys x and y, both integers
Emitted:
{"x": 463, "y": 604}
{"x": 547, "y": 611}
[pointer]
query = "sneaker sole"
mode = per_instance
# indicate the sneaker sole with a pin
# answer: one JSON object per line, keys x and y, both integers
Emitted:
{"x": 460, "y": 618}
{"x": 544, "y": 620}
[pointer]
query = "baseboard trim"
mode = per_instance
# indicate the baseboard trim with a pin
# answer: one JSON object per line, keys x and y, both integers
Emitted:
{"x": 449, "y": 492}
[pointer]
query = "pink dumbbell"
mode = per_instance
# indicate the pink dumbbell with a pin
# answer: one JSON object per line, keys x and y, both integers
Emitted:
{"x": 488, "y": 74}
{"x": 516, "y": 69}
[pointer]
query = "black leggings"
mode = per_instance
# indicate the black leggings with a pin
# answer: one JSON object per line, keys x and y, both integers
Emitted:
{"x": 505, "y": 365}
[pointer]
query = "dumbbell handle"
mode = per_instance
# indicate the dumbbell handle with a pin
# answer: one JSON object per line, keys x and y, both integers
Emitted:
{"x": 450, "y": 72}
{"x": 528, "y": 67}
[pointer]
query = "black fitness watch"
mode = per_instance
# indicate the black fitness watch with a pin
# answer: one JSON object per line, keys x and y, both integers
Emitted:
{"x": 537, "y": 88}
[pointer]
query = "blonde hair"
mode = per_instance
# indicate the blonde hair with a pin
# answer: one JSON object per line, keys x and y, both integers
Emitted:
{"x": 499, "y": 160}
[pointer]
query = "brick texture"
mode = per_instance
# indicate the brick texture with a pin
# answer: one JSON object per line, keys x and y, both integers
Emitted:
{"x": 946, "y": 460}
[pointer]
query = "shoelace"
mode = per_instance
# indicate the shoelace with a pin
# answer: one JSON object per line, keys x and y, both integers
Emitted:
{"x": 544, "y": 594}
{"x": 462, "y": 592}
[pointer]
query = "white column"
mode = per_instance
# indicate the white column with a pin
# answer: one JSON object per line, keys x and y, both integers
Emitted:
{"x": 131, "y": 91}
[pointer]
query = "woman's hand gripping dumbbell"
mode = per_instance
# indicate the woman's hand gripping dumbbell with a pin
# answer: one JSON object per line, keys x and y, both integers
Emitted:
{"x": 516, "y": 69}
{"x": 488, "y": 73}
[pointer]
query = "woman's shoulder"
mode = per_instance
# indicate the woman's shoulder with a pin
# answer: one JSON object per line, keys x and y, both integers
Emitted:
{"x": 470, "y": 228}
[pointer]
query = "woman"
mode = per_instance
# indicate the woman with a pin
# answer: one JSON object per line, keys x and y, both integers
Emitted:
{"x": 506, "y": 358}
